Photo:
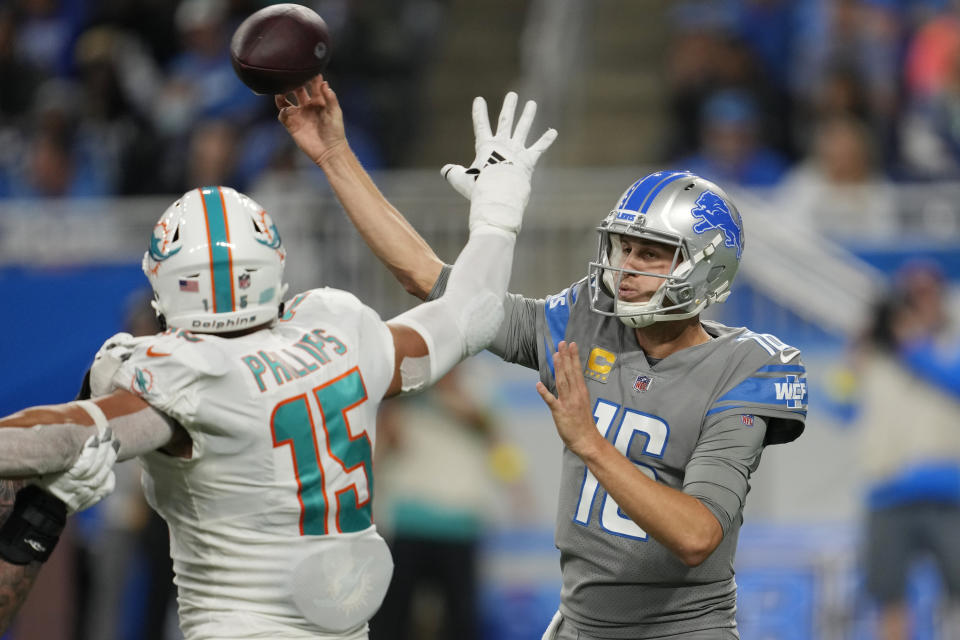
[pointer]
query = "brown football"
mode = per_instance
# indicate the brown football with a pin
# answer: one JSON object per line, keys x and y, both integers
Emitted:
{"x": 279, "y": 48}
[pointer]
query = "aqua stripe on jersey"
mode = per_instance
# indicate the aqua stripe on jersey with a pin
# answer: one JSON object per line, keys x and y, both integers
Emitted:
{"x": 218, "y": 235}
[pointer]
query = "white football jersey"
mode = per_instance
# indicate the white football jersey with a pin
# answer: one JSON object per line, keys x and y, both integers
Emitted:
{"x": 270, "y": 519}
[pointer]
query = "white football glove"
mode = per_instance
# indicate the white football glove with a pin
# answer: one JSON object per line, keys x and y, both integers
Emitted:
{"x": 91, "y": 477}
{"x": 507, "y": 145}
{"x": 112, "y": 354}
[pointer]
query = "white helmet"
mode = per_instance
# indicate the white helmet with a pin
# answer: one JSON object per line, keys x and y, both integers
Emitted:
{"x": 215, "y": 263}
{"x": 684, "y": 211}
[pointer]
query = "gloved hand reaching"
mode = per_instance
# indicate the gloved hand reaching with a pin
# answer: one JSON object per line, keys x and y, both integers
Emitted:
{"x": 498, "y": 181}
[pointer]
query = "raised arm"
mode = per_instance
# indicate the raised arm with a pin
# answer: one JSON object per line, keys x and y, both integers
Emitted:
{"x": 433, "y": 337}
{"x": 316, "y": 124}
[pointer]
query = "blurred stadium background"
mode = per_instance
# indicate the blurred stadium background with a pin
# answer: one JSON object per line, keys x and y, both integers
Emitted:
{"x": 833, "y": 122}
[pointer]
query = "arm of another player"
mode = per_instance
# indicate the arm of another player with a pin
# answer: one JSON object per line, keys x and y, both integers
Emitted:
{"x": 33, "y": 517}
{"x": 48, "y": 439}
{"x": 678, "y": 521}
{"x": 316, "y": 124}
{"x": 433, "y": 337}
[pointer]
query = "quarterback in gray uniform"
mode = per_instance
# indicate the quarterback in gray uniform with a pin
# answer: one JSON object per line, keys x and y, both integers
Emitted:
{"x": 666, "y": 417}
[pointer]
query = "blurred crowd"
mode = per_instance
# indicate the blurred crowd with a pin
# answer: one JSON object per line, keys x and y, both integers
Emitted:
{"x": 832, "y": 102}
{"x": 125, "y": 97}
{"x": 828, "y": 102}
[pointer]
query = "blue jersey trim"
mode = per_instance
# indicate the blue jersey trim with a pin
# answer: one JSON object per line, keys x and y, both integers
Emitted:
{"x": 783, "y": 368}
{"x": 557, "y": 312}
{"x": 765, "y": 390}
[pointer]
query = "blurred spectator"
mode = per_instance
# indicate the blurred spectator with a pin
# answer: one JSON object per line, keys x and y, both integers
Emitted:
{"x": 931, "y": 54}
{"x": 211, "y": 157}
{"x": 862, "y": 37}
{"x": 710, "y": 54}
{"x": 930, "y": 131}
{"x": 731, "y": 150}
{"x": 46, "y": 32}
{"x": 839, "y": 93}
{"x": 118, "y": 81}
{"x": 910, "y": 446}
{"x": 838, "y": 189}
{"x": 201, "y": 83}
{"x": 436, "y": 490}
{"x": 18, "y": 78}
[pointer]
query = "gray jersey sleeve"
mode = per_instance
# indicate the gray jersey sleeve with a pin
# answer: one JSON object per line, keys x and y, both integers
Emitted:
{"x": 516, "y": 340}
{"x": 718, "y": 473}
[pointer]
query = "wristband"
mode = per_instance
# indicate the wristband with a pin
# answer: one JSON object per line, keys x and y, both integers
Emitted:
{"x": 33, "y": 527}
{"x": 95, "y": 413}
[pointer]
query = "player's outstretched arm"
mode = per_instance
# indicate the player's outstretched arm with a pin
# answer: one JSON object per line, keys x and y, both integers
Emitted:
{"x": 431, "y": 338}
{"x": 33, "y": 516}
{"x": 316, "y": 124}
{"x": 678, "y": 521}
{"x": 49, "y": 439}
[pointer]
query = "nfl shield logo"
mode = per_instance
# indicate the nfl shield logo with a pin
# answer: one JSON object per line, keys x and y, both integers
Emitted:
{"x": 244, "y": 280}
{"x": 642, "y": 383}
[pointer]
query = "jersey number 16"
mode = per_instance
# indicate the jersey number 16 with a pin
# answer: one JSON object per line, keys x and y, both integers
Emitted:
{"x": 633, "y": 423}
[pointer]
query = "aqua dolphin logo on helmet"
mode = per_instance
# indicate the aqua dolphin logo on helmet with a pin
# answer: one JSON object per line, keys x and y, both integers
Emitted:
{"x": 164, "y": 242}
{"x": 713, "y": 213}
{"x": 692, "y": 216}
{"x": 266, "y": 232}
{"x": 215, "y": 262}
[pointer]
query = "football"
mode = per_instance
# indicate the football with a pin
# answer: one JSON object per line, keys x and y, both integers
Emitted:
{"x": 279, "y": 48}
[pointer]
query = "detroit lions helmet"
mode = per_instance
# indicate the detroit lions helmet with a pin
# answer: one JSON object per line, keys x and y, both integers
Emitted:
{"x": 215, "y": 263}
{"x": 683, "y": 211}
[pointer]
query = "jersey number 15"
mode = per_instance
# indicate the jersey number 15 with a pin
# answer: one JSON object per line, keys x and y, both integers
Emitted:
{"x": 327, "y": 457}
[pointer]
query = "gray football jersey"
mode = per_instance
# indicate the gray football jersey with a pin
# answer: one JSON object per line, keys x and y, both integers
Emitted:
{"x": 696, "y": 421}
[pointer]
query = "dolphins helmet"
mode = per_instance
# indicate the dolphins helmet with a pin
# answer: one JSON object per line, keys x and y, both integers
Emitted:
{"x": 683, "y": 211}
{"x": 215, "y": 263}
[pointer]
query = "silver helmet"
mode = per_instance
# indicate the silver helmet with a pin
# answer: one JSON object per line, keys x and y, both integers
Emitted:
{"x": 683, "y": 211}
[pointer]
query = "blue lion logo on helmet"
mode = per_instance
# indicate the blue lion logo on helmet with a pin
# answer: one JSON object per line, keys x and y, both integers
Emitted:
{"x": 713, "y": 213}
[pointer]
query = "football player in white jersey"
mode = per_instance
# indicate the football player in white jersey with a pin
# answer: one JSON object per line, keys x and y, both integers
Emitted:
{"x": 665, "y": 417}
{"x": 255, "y": 420}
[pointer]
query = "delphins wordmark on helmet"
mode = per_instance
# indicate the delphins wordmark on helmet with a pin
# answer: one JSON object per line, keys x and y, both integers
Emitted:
{"x": 215, "y": 262}
{"x": 683, "y": 211}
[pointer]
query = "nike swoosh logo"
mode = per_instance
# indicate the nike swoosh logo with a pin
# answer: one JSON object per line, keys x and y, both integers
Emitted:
{"x": 785, "y": 358}
{"x": 155, "y": 354}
